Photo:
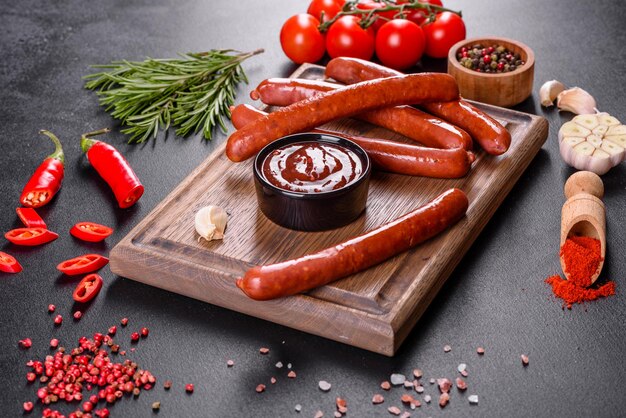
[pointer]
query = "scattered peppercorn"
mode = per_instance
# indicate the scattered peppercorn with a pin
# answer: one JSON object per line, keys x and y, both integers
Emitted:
{"x": 377, "y": 399}
{"x": 134, "y": 337}
{"x": 189, "y": 388}
{"x": 264, "y": 350}
{"x": 156, "y": 406}
{"x": 167, "y": 384}
{"x": 25, "y": 343}
{"x": 54, "y": 343}
{"x": 78, "y": 315}
{"x": 144, "y": 332}
{"x": 260, "y": 388}
{"x": 480, "y": 350}
{"x": 112, "y": 330}
{"x": 28, "y": 406}
{"x": 58, "y": 320}
{"x": 524, "y": 360}
{"x": 493, "y": 59}
{"x": 124, "y": 322}
{"x": 291, "y": 375}
{"x": 51, "y": 308}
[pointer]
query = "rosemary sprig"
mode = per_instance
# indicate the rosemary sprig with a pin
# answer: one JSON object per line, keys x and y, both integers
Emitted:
{"x": 192, "y": 92}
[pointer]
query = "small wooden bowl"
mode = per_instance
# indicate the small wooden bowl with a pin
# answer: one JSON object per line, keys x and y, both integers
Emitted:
{"x": 502, "y": 89}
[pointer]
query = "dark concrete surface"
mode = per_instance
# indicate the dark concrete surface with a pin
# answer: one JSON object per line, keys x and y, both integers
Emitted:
{"x": 496, "y": 298}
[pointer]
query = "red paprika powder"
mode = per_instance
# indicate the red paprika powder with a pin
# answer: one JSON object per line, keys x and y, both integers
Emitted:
{"x": 581, "y": 257}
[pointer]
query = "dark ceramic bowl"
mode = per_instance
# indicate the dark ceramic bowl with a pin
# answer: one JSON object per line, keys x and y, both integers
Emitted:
{"x": 312, "y": 211}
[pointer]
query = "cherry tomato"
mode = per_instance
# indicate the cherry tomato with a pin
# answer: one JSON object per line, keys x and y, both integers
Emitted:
{"x": 90, "y": 231}
{"x": 399, "y": 43}
{"x": 88, "y": 288}
{"x": 30, "y": 236}
{"x": 420, "y": 16}
{"x": 329, "y": 7}
{"x": 447, "y": 29}
{"x": 301, "y": 40}
{"x": 83, "y": 264}
{"x": 9, "y": 264}
{"x": 346, "y": 38}
{"x": 383, "y": 17}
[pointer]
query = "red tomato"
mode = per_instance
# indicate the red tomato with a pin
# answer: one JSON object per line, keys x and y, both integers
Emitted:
{"x": 383, "y": 16}
{"x": 301, "y": 40}
{"x": 329, "y": 7}
{"x": 346, "y": 38}
{"x": 419, "y": 16}
{"x": 400, "y": 44}
{"x": 447, "y": 29}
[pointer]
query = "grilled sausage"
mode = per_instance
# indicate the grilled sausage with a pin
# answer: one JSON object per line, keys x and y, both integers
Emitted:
{"x": 405, "y": 120}
{"x": 344, "y": 102}
{"x": 386, "y": 155}
{"x": 489, "y": 133}
{"x": 357, "y": 254}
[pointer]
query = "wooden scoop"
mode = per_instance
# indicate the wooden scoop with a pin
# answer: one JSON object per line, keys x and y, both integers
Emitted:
{"x": 583, "y": 213}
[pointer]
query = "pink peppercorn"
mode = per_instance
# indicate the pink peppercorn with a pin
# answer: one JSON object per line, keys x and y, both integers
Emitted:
{"x": 78, "y": 315}
{"x": 51, "y": 308}
{"x": 58, "y": 320}
{"x": 25, "y": 343}
{"x": 28, "y": 406}
{"x": 144, "y": 332}
{"x": 189, "y": 387}
{"x": 134, "y": 337}
{"x": 124, "y": 322}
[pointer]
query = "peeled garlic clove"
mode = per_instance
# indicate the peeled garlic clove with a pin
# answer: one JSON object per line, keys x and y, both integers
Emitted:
{"x": 576, "y": 100}
{"x": 585, "y": 147}
{"x": 549, "y": 91}
{"x": 211, "y": 222}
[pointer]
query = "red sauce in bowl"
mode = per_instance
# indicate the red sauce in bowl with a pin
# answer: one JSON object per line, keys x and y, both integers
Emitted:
{"x": 312, "y": 167}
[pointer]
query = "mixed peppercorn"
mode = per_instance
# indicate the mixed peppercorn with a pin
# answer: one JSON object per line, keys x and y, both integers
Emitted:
{"x": 492, "y": 59}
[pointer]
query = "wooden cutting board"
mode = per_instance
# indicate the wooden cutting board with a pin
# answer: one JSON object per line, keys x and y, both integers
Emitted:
{"x": 375, "y": 309}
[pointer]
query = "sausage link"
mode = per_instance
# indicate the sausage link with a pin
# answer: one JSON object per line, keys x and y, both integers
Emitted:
{"x": 405, "y": 120}
{"x": 386, "y": 155}
{"x": 357, "y": 254}
{"x": 344, "y": 102}
{"x": 494, "y": 138}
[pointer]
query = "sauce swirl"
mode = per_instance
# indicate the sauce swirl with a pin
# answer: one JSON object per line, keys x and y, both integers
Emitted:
{"x": 312, "y": 167}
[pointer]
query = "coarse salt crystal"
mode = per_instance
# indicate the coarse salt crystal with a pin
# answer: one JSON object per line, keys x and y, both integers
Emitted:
{"x": 397, "y": 379}
{"x": 473, "y": 399}
{"x": 279, "y": 365}
{"x": 461, "y": 367}
{"x": 324, "y": 385}
{"x": 298, "y": 408}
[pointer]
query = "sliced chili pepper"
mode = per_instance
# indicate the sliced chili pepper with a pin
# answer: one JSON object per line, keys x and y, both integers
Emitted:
{"x": 9, "y": 264}
{"x": 30, "y": 218}
{"x": 83, "y": 264}
{"x": 113, "y": 168}
{"x": 30, "y": 236}
{"x": 90, "y": 231}
{"x": 88, "y": 288}
{"x": 47, "y": 179}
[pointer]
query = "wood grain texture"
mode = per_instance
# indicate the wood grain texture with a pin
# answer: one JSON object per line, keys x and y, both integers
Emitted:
{"x": 502, "y": 89}
{"x": 375, "y": 309}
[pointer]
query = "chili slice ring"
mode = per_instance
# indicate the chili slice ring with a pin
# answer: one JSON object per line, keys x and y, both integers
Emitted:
{"x": 9, "y": 264}
{"x": 90, "y": 231}
{"x": 83, "y": 264}
{"x": 88, "y": 288}
{"x": 30, "y": 218}
{"x": 30, "y": 236}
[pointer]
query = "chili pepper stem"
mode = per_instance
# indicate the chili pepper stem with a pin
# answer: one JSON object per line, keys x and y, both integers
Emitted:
{"x": 373, "y": 14}
{"x": 86, "y": 142}
{"x": 58, "y": 149}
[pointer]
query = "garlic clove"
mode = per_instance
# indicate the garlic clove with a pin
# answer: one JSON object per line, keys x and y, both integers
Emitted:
{"x": 617, "y": 139}
{"x": 210, "y": 222}
{"x": 576, "y": 100}
{"x": 549, "y": 91}
{"x": 595, "y": 150}
{"x": 573, "y": 129}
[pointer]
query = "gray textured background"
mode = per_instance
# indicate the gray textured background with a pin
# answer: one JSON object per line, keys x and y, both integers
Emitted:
{"x": 496, "y": 297}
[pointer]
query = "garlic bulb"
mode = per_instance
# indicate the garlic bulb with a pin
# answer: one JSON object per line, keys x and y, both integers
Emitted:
{"x": 593, "y": 142}
{"x": 576, "y": 100}
{"x": 549, "y": 91}
{"x": 211, "y": 222}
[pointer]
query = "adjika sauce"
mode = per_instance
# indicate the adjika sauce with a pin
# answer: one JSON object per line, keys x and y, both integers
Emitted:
{"x": 312, "y": 167}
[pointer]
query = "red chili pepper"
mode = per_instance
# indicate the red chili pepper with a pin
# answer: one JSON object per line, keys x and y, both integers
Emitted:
{"x": 30, "y": 218}
{"x": 88, "y": 288}
{"x": 113, "y": 168}
{"x": 30, "y": 236}
{"x": 83, "y": 264}
{"x": 90, "y": 231}
{"x": 47, "y": 179}
{"x": 9, "y": 264}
